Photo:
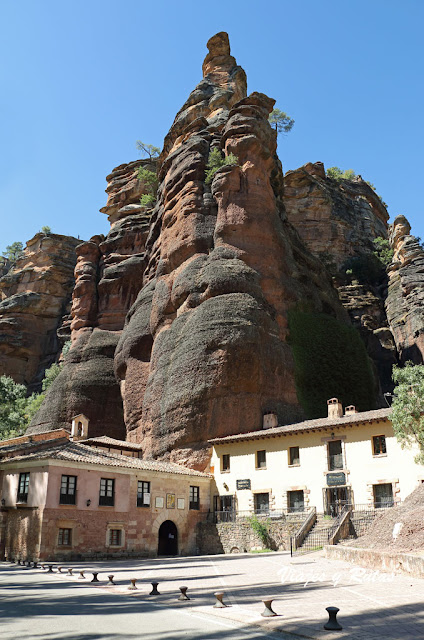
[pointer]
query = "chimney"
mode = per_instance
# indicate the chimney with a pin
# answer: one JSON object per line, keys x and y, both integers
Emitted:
{"x": 350, "y": 409}
{"x": 335, "y": 409}
{"x": 270, "y": 421}
{"x": 79, "y": 429}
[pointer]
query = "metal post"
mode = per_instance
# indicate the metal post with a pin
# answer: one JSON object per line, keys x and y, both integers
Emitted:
{"x": 154, "y": 591}
{"x": 50, "y": 569}
{"x": 132, "y": 587}
{"x": 332, "y": 624}
{"x": 81, "y": 575}
{"x": 95, "y": 579}
{"x": 183, "y": 595}
{"x": 69, "y": 572}
{"x": 110, "y": 580}
{"x": 219, "y": 603}
{"x": 268, "y": 612}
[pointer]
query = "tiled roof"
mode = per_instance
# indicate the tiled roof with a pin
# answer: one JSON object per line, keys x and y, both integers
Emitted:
{"x": 111, "y": 442}
{"x": 78, "y": 452}
{"x": 21, "y": 446}
{"x": 308, "y": 425}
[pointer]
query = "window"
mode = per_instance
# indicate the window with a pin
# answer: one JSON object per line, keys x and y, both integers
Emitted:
{"x": 115, "y": 537}
{"x": 294, "y": 456}
{"x": 64, "y": 538}
{"x": 23, "y": 487}
{"x": 261, "y": 459}
{"x": 295, "y": 501}
{"x": 68, "y": 490}
{"x": 226, "y": 462}
{"x": 335, "y": 456}
{"x": 383, "y": 496}
{"x": 194, "y": 498}
{"x": 143, "y": 494}
{"x": 379, "y": 445}
{"x": 261, "y": 503}
{"x": 107, "y": 492}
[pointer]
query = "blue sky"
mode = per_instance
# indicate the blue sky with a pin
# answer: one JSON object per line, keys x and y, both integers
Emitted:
{"x": 82, "y": 81}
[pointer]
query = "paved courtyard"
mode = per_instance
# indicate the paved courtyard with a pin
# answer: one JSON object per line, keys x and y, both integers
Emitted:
{"x": 372, "y": 605}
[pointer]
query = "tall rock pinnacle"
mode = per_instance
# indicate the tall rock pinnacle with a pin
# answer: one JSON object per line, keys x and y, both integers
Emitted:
{"x": 204, "y": 349}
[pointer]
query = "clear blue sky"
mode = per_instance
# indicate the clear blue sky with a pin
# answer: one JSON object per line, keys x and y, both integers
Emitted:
{"x": 83, "y": 80}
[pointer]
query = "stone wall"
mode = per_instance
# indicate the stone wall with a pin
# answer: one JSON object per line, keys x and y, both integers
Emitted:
{"x": 21, "y": 532}
{"x": 379, "y": 560}
{"x": 240, "y": 537}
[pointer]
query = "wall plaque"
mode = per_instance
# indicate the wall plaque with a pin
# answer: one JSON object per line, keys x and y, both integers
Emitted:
{"x": 336, "y": 479}
{"x": 243, "y": 484}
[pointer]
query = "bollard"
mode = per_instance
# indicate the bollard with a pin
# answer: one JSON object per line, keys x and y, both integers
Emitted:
{"x": 35, "y": 565}
{"x": 183, "y": 595}
{"x": 81, "y": 575}
{"x": 133, "y": 581}
{"x": 95, "y": 579}
{"x": 13, "y": 561}
{"x": 43, "y": 566}
{"x": 267, "y": 612}
{"x": 69, "y": 572}
{"x": 60, "y": 569}
{"x": 154, "y": 591}
{"x": 219, "y": 604}
{"x": 50, "y": 569}
{"x": 19, "y": 561}
{"x": 110, "y": 580}
{"x": 332, "y": 624}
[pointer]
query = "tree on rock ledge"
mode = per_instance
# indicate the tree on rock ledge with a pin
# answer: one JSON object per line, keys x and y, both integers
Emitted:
{"x": 408, "y": 407}
{"x": 280, "y": 121}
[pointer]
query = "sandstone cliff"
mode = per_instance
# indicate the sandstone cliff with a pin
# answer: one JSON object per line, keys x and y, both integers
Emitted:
{"x": 108, "y": 276}
{"x": 204, "y": 351}
{"x": 405, "y": 300}
{"x": 212, "y": 284}
{"x": 34, "y": 296}
{"x": 338, "y": 221}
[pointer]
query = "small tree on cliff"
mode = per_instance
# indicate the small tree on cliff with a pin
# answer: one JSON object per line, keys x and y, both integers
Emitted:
{"x": 14, "y": 251}
{"x": 147, "y": 150}
{"x": 280, "y": 121}
{"x": 408, "y": 407}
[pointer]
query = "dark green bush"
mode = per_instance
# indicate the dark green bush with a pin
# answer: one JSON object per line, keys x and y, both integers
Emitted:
{"x": 330, "y": 361}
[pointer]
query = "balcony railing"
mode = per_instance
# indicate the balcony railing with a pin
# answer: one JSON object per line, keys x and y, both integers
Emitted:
{"x": 106, "y": 501}
{"x": 68, "y": 498}
{"x": 22, "y": 497}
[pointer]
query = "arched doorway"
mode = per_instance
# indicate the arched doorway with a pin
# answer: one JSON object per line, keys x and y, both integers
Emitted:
{"x": 168, "y": 539}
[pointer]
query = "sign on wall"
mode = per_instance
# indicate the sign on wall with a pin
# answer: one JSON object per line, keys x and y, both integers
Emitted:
{"x": 243, "y": 484}
{"x": 336, "y": 479}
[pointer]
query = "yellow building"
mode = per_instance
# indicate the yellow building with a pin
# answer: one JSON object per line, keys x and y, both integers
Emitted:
{"x": 324, "y": 463}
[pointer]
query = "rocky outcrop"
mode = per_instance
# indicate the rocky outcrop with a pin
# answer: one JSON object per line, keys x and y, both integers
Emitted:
{"x": 35, "y": 294}
{"x": 207, "y": 283}
{"x": 338, "y": 221}
{"x": 405, "y": 300}
{"x": 335, "y": 219}
{"x": 204, "y": 351}
{"x": 108, "y": 277}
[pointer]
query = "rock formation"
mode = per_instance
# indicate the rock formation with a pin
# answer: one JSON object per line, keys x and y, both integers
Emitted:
{"x": 405, "y": 300}
{"x": 206, "y": 283}
{"x": 204, "y": 351}
{"x": 338, "y": 221}
{"x": 35, "y": 294}
{"x": 108, "y": 277}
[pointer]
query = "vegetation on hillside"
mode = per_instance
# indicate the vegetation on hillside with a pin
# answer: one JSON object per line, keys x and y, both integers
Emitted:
{"x": 16, "y": 409}
{"x": 408, "y": 407}
{"x": 330, "y": 361}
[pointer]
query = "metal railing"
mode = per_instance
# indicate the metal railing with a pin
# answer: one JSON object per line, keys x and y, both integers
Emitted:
{"x": 268, "y": 514}
{"x": 361, "y": 517}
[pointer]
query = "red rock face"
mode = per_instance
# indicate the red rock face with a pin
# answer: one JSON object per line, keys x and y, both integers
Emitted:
{"x": 204, "y": 349}
{"x": 108, "y": 277}
{"x": 405, "y": 300}
{"x": 335, "y": 219}
{"x": 34, "y": 296}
